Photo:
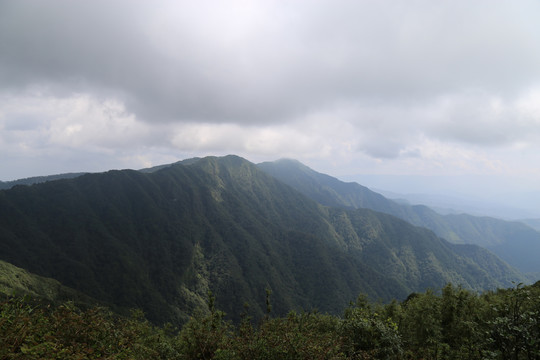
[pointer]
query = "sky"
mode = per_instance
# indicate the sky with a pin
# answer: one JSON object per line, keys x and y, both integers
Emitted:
{"x": 421, "y": 88}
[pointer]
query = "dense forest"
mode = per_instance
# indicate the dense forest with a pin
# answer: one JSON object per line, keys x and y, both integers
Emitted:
{"x": 452, "y": 323}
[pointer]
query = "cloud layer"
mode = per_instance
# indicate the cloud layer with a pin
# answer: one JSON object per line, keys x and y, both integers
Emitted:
{"x": 366, "y": 86}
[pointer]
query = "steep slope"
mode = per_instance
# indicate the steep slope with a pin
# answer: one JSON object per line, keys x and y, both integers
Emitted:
{"x": 514, "y": 242}
{"x": 329, "y": 191}
{"x": 18, "y": 282}
{"x": 160, "y": 240}
{"x": 417, "y": 257}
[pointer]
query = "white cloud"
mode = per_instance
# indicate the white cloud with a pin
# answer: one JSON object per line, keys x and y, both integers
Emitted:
{"x": 78, "y": 121}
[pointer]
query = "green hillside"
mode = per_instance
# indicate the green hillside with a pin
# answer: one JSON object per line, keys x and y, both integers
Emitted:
{"x": 15, "y": 281}
{"x": 514, "y": 242}
{"x": 160, "y": 240}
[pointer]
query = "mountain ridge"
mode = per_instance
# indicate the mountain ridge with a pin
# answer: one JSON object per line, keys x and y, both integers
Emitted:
{"x": 161, "y": 240}
{"x": 514, "y": 242}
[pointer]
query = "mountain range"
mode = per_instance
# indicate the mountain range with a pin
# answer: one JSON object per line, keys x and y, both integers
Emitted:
{"x": 160, "y": 239}
{"x": 37, "y": 179}
{"x": 513, "y": 241}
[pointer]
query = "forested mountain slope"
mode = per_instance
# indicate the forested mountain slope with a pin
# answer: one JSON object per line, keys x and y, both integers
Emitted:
{"x": 18, "y": 282}
{"x": 514, "y": 242}
{"x": 160, "y": 240}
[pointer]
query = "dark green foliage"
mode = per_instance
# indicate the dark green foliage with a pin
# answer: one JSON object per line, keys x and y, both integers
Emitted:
{"x": 367, "y": 332}
{"x": 459, "y": 324}
{"x": 296, "y": 336}
{"x": 451, "y": 324}
{"x": 515, "y": 327}
{"x": 30, "y": 331}
{"x": 204, "y": 335}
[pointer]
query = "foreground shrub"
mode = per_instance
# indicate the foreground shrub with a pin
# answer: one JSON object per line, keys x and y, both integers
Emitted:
{"x": 31, "y": 331}
{"x": 297, "y": 336}
{"x": 453, "y": 324}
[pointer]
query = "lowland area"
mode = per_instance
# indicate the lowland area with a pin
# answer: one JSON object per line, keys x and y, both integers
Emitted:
{"x": 220, "y": 258}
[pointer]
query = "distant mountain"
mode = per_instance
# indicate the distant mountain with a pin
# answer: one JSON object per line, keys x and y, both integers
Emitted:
{"x": 160, "y": 240}
{"x": 513, "y": 242}
{"x": 329, "y": 191}
{"x": 534, "y": 223}
{"x": 37, "y": 180}
{"x": 463, "y": 204}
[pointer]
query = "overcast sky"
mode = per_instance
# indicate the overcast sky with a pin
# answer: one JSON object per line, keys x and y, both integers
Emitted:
{"x": 347, "y": 87}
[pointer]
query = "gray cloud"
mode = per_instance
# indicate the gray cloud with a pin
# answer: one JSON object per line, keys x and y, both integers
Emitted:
{"x": 247, "y": 63}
